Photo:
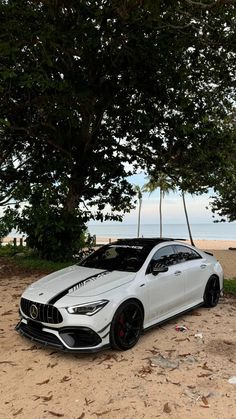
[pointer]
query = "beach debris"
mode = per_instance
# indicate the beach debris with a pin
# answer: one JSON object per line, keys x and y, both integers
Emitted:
{"x": 7, "y": 313}
{"x": 181, "y": 328}
{"x": 182, "y": 339}
{"x": 190, "y": 359}
{"x": 205, "y": 401}
{"x": 227, "y": 342}
{"x": 43, "y": 382}
{"x": 232, "y": 380}
{"x": 31, "y": 348}
{"x": 18, "y": 412}
{"x": 52, "y": 365}
{"x": 192, "y": 394}
{"x": 176, "y": 383}
{"x": 58, "y": 415}
{"x": 163, "y": 362}
{"x": 166, "y": 408}
{"x": 9, "y": 363}
{"x": 65, "y": 378}
{"x": 204, "y": 375}
{"x": 144, "y": 371}
{"x": 108, "y": 357}
{"x": 88, "y": 401}
{"x": 44, "y": 398}
{"x": 105, "y": 412}
{"x": 153, "y": 351}
{"x": 205, "y": 367}
{"x": 195, "y": 313}
{"x": 81, "y": 416}
{"x": 199, "y": 335}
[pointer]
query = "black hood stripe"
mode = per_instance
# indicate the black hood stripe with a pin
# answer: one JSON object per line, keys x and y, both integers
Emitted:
{"x": 81, "y": 283}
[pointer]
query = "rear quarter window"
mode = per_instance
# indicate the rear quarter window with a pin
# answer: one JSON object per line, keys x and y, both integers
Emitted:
{"x": 185, "y": 253}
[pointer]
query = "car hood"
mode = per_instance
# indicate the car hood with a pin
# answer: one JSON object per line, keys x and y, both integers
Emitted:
{"x": 76, "y": 281}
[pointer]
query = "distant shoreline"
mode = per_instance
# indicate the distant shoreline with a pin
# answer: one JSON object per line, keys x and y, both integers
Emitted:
{"x": 201, "y": 244}
{"x": 205, "y": 244}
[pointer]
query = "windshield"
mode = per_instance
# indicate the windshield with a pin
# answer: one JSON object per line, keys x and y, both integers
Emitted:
{"x": 117, "y": 258}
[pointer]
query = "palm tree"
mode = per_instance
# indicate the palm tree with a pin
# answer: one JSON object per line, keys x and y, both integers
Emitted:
{"x": 138, "y": 191}
{"x": 187, "y": 220}
{"x": 165, "y": 184}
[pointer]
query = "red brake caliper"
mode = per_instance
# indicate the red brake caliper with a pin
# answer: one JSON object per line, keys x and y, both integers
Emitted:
{"x": 121, "y": 328}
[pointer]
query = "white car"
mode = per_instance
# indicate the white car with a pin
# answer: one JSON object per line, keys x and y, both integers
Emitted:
{"x": 117, "y": 292}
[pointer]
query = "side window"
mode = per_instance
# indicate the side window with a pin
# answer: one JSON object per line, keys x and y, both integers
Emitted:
{"x": 165, "y": 256}
{"x": 184, "y": 253}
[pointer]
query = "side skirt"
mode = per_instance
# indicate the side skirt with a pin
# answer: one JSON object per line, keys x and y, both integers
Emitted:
{"x": 158, "y": 323}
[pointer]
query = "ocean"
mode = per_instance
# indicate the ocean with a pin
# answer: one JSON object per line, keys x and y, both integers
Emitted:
{"x": 213, "y": 231}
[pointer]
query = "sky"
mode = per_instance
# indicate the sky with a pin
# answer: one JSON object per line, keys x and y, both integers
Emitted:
{"x": 173, "y": 212}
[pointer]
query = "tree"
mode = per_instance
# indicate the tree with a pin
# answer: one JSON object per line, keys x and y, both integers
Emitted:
{"x": 224, "y": 203}
{"x": 165, "y": 184}
{"x": 138, "y": 191}
{"x": 87, "y": 87}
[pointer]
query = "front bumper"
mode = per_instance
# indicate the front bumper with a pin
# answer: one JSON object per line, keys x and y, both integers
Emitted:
{"x": 70, "y": 339}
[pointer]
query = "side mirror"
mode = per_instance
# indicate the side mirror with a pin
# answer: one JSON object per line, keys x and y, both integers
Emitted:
{"x": 158, "y": 269}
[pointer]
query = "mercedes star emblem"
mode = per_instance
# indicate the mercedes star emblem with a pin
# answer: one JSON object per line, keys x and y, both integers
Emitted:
{"x": 33, "y": 311}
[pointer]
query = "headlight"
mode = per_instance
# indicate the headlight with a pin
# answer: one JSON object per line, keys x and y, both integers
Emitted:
{"x": 88, "y": 308}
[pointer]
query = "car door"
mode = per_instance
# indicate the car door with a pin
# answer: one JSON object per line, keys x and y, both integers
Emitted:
{"x": 195, "y": 270}
{"x": 166, "y": 289}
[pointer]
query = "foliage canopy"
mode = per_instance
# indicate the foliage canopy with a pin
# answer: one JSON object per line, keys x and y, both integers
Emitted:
{"x": 92, "y": 90}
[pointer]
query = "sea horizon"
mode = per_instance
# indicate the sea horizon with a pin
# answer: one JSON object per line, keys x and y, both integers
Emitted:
{"x": 200, "y": 231}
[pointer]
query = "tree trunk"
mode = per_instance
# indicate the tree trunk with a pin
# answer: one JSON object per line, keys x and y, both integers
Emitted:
{"x": 160, "y": 211}
{"x": 187, "y": 220}
{"x": 139, "y": 216}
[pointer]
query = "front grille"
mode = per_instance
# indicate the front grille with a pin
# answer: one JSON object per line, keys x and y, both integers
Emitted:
{"x": 35, "y": 333}
{"x": 46, "y": 313}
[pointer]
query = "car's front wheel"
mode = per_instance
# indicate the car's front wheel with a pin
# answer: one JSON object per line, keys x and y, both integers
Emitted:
{"x": 126, "y": 326}
{"x": 212, "y": 292}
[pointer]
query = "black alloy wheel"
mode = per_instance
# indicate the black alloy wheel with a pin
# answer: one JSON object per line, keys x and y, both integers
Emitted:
{"x": 212, "y": 292}
{"x": 127, "y": 325}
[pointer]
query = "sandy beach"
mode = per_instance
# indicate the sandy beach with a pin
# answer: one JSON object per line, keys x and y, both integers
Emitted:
{"x": 167, "y": 374}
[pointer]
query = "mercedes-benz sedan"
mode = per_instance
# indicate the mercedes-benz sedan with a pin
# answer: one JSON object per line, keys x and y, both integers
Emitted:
{"x": 116, "y": 293}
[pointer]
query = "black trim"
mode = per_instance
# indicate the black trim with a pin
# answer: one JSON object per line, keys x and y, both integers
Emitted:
{"x": 65, "y": 292}
{"x": 172, "y": 317}
{"x": 38, "y": 335}
{"x": 209, "y": 253}
{"x": 104, "y": 328}
{"x": 21, "y": 330}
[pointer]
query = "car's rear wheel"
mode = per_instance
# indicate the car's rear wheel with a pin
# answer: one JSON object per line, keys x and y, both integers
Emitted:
{"x": 212, "y": 292}
{"x": 126, "y": 326}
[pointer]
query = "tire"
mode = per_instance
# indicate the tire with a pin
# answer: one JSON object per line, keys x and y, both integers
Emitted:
{"x": 126, "y": 326}
{"x": 212, "y": 292}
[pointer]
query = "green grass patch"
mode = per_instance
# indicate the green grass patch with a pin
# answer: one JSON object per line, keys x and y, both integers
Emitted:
{"x": 230, "y": 286}
{"x": 24, "y": 257}
{"x": 9, "y": 250}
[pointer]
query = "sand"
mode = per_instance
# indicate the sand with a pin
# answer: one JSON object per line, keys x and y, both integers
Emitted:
{"x": 167, "y": 374}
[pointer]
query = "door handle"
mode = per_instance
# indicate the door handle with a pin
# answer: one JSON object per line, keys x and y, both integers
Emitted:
{"x": 203, "y": 266}
{"x": 177, "y": 273}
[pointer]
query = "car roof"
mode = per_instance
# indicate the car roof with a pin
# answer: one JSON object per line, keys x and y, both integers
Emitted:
{"x": 146, "y": 242}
